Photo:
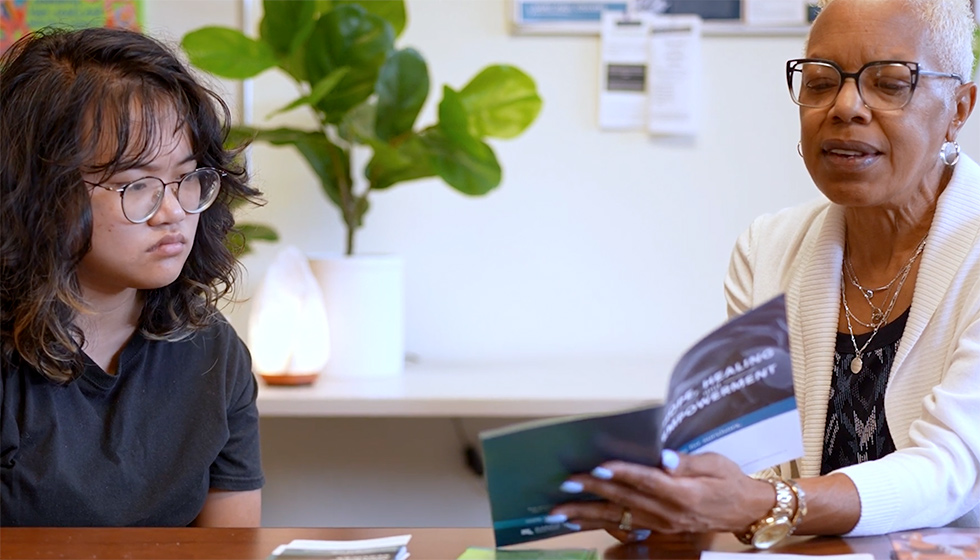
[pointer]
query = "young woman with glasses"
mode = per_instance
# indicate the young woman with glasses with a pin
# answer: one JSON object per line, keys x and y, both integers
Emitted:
{"x": 882, "y": 284}
{"x": 126, "y": 398}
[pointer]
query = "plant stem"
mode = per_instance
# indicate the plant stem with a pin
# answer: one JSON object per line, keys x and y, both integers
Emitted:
{"x": 350, "y": 240}
{"x": 348, "y": 201}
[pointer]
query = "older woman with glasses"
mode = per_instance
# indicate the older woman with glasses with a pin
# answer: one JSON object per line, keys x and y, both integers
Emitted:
{"x": 125, "y": 398}
{"x": 882, "y": 285}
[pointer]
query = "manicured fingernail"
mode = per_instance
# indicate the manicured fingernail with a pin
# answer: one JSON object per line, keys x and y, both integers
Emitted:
{"x": 556, "y": 518}
{"x": 639, "y": 535}
{"x": 571, "y": 487}
{"x": 669, "y": 459}
{"x": 573, "y": 526}
{"x": 603, "y": 473}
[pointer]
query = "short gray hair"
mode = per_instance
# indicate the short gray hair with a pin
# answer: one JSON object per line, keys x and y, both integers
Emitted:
{"x": 951, "y": 24}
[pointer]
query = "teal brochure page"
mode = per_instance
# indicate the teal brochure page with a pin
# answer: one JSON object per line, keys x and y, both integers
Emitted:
{"x": 525, "y": 468}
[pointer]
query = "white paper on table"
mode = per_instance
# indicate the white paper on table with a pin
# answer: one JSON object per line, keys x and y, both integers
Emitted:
{"x": 674, "y": 76}
{"x": 774, "y": 12}
{"x": 623, "y": 70}
{"x": 306, "y": 546}
{"x": 744, "y": 555}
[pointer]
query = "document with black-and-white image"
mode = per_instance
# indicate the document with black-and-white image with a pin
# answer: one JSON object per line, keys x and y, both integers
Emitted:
{"x": 623, "y": 71}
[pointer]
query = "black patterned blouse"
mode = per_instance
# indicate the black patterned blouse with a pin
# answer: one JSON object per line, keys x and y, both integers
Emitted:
{"x": 856, "y": 428}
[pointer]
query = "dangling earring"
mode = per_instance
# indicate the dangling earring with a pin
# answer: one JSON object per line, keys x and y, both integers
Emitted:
{"x": 950, "y": 153}
{"x": 799, "y": 148}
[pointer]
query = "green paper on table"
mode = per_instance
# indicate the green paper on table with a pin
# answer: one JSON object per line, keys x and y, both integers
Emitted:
{"x": 478, "y": 553}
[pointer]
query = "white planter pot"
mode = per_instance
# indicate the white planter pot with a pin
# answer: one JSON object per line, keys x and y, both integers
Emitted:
{"x": 365, "y": 300}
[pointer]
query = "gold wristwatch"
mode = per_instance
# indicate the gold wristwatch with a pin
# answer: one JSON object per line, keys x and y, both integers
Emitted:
{"x": 777, "y": 524}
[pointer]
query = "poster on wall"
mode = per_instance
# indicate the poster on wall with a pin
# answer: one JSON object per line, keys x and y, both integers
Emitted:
{"x": 721, "y": 17}
{"x": 18, "y": 17}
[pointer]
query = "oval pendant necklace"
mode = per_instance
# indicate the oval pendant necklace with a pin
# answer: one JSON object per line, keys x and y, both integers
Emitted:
{"x": 857, "y": 364}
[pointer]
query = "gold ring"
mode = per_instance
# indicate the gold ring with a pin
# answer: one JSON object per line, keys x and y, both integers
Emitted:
{"x": 626, "y": 520}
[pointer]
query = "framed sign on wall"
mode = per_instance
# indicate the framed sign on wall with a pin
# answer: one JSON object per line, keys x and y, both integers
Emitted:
{"x": 721, "y": 17}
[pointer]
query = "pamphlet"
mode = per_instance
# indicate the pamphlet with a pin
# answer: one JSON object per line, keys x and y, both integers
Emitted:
{"x": 673, "y": 79}
{"x": 731, "y": 393}
{"x": 936, "y": 544}
{"x": 480, "y": 553}
{"x": 385, "y": 548}
{"x": 623, "y": 70}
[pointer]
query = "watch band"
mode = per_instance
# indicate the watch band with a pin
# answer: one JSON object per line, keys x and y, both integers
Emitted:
{"x": 779, "y": 522}
{"x": 800, "y": 503}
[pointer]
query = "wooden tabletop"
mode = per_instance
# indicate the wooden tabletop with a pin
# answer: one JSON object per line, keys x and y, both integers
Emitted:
{"x": 426, "y": 544}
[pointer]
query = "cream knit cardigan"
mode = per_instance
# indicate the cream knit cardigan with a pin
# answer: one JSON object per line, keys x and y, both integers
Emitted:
{"x": 932, "y": 402}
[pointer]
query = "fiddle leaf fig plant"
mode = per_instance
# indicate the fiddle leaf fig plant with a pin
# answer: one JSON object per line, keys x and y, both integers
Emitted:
{"x": 365, "y": 92}
{"x": 976, "y": 48}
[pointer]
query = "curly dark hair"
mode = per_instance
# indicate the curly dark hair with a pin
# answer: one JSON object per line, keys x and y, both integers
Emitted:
{"x": 67, "y": 99}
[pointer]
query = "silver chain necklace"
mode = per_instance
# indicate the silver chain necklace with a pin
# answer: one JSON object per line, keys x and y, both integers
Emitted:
{"x": 857, "y": 363}
{"x": 878, "y": 315}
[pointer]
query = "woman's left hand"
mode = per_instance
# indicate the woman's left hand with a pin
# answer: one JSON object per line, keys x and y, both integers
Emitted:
{"x": 689, "y": 494}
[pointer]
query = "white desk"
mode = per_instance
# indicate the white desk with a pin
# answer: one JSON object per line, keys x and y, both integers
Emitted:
{"x": 499, "y": 391}
{"x": 388, "y": 451}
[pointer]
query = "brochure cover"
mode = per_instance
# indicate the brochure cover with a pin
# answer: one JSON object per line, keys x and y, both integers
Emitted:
{"x": 731, "y": 393}
{"x": 935, "y": 544}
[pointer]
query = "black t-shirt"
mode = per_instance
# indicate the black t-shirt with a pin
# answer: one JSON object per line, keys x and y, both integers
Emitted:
{"x": 139, "y": 448}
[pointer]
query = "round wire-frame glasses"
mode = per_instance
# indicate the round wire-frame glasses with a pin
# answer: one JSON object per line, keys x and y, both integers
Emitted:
{"x": 195, "y": 191}
{"x": 883, "y": 85}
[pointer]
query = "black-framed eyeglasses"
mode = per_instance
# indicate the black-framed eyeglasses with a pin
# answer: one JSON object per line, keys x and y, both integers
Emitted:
{"x": 883, "y": 85}
{"x": 142, "y": 198}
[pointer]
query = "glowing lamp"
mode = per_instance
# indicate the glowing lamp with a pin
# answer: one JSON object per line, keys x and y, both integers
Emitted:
{"x": 288, "y": 334}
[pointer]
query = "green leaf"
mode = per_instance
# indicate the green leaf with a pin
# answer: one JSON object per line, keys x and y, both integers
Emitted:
{"x": 238, "y": 136}
{"x": 976, "y": 49}
{"x": 227, "y": 52}
{"x": 463, "y": 161}
{"x": 392, "y": 11}
{"x": 286, "y": 24}
{"x": 453, "y": 119}
{"x": 388, "y": 166}
{"x": 321, "y": 89}
{"x": 347, "y": 36}
{"x": 402, "y": 86}
{"x": 329, "y": 161}
{"x": 239, "y": 240}
{"x": 502, "y": 101}
{"x": 471, "y": 168}
{"x": 357, "y": 126}
{"x": 258, "y": 231}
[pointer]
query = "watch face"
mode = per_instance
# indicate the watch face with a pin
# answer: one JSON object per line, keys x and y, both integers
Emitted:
{"x": 771, "y": 534}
